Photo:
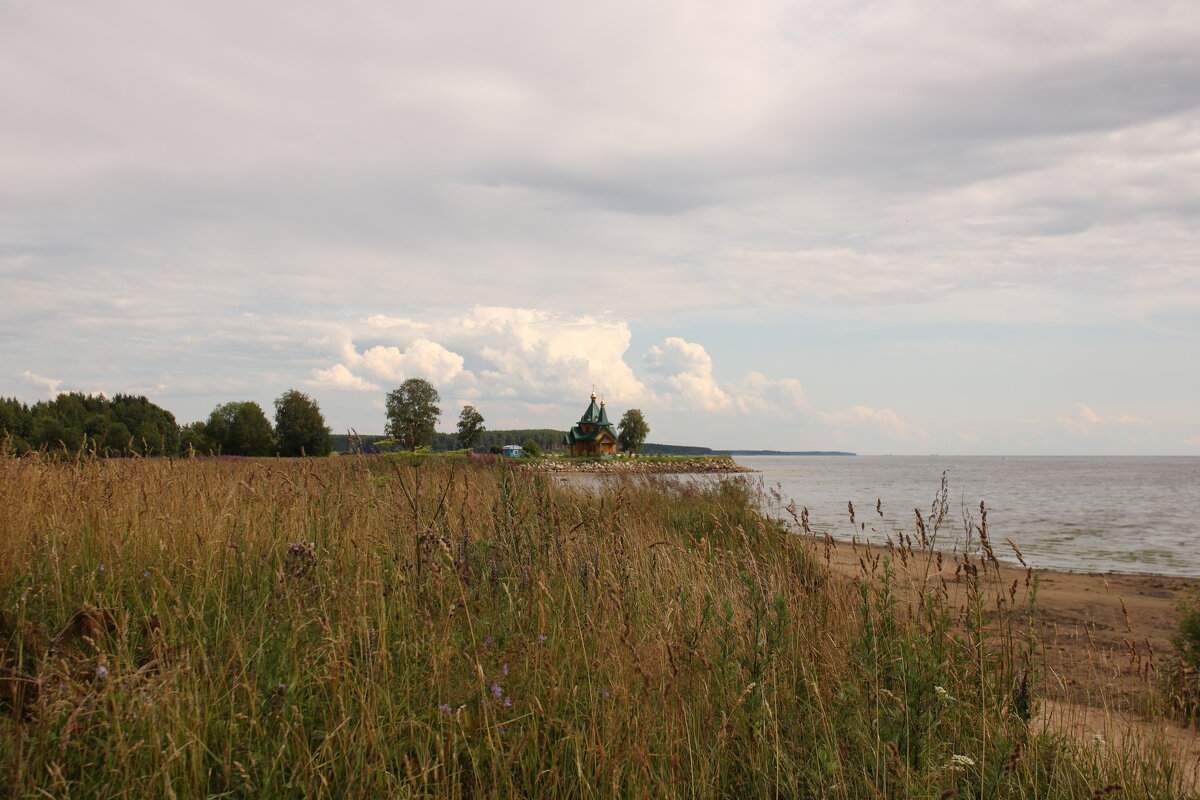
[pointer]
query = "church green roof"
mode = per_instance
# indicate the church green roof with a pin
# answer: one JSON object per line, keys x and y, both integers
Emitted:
{"x": 593, "y": 412}
{"x": 594, "y": 415}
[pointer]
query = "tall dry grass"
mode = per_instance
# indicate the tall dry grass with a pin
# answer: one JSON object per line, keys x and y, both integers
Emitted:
{"x": 364, "y": 628}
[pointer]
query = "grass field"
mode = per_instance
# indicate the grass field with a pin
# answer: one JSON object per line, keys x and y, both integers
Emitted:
{"x": 351, "y": 627}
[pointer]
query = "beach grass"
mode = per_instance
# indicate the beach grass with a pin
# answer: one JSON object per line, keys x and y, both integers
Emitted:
{"x": 357, "y": 627}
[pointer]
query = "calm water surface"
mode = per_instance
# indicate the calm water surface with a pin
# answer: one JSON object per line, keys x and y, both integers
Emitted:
{"x": 1092, "y": 513}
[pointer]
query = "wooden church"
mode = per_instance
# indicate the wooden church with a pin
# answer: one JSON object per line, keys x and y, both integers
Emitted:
{"x": 593, "y": 435}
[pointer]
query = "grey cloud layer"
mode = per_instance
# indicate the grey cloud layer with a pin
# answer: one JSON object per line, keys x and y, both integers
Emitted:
{"x": 167, "y": 167}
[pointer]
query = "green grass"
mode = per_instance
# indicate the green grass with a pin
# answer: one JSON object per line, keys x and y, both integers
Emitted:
{"x": 359, "y": 627}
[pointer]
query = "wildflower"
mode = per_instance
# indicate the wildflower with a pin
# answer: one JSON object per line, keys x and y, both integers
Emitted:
{"x": 942, "y": 694}
{"x": 445, "y": 708}
{"x": 541, "y": 638}
{"x": 1097, "y": 739}
{"x": 496, "y": 690}
{"x": 101, "y": 672}
{"x": 300, "y": 557}
{"x": 604, "y": 693}
{"x": 281, "y": 688}
{"x": 488, "y": 641}
{"x": 504, "y": 669}
{"x": 508, "y": 701}
{"x": 146, "y": 573}
{"x": 960, "y": 763}
{"x": 102, "y": 568}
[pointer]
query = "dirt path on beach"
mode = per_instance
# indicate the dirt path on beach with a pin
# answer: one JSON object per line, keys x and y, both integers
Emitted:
{"x": 1102, "y": 634}
{"x": 1104, "y": 638}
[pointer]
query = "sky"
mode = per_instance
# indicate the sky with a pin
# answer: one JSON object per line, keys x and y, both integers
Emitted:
{"x": 885, "y": 227}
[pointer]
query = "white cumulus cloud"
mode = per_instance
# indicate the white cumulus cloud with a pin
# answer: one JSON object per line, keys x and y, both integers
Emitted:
{"x": 533, "y": 356}
{"x": 1086, "y": 420}
{"x": 684, "y": 370}
{"x": 423, "y": 358}
{"x": 757, "y": 394}
{"x": 49, "y": 384}
{"x": 338, "y": 377}
{"x": 885, "y": 420}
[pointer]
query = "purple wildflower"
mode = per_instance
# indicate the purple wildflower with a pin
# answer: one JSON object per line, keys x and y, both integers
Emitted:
{"x": 541, "y": 638}
{"x": 101, "y": 672}
{"x": 508, "y": 702}
{"x": 504, "y": 669}
{"x": 496, "y": 690}
{"x": 488, "y": 641}
{"x": 445, "y": 708}
{"x": 300, "y": 558}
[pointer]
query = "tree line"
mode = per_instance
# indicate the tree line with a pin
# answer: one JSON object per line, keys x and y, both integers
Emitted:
{"x": 489, "y": 440}
{"x": 128, "y": 425}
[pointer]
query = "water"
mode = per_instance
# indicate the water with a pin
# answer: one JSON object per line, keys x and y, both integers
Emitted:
{"x": 1088, "y": 513}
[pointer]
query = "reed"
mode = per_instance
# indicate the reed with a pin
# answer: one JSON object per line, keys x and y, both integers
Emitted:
{"x": 355, "y": 627}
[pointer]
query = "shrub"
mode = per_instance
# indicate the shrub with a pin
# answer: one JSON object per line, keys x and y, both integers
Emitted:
{"x": 1182, "y": 684}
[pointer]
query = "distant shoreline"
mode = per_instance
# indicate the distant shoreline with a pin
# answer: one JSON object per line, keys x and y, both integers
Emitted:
{"x": 618, "y": 466}
{"x": 652, "y": 448}
{"x": 782, "y": 453}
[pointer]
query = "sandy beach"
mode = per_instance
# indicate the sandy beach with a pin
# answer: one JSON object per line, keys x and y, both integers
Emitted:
{"x": 1103, "y": 639}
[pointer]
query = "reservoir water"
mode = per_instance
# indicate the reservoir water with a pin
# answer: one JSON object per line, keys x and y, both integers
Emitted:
{"x": 1092, "y": 513}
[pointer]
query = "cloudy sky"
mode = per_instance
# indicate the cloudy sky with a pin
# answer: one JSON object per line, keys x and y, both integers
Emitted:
{"x": 890, "y": 227}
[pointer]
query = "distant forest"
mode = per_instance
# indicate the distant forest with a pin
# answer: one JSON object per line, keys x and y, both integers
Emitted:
{"x": 124, "y": 425}
{"x": 128, "y": 425}
{"x": 548, "y": 440}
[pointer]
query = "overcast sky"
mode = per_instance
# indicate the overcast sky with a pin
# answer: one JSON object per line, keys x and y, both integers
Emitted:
{"x": 887, "y": 227}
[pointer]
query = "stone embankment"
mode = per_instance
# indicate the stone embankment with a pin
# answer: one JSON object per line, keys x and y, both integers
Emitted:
{"x": 621, "y": 466}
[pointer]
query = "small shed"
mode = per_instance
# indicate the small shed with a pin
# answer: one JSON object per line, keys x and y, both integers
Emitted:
{"x": 512, "y": 450}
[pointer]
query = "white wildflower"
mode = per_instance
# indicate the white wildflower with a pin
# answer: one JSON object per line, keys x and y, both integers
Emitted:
{"x": 1097, "y": 739}
{"x": 942, "y": 694}
{"x": 959, "y": 763}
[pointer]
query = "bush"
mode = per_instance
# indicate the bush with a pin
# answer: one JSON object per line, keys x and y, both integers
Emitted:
{"x": 1182, "y": 685}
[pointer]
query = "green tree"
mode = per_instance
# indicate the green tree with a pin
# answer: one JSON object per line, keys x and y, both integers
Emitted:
{"x": 153, "y": 429}
{"x": 239, "y": 429}
{"x": 300, "y": 426}
{"x": 116, "y": 438}
{"x": 193, "y": 440}
{"x": 16, "y": 424}
{"x": 123, "y": 425}
{"x": 470, "y": 426}
{"x": 531, "y": 448}
{"x": 51, "y": 432}
{"x": 412, "y": 412}
{"x": 632, "y": 431}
